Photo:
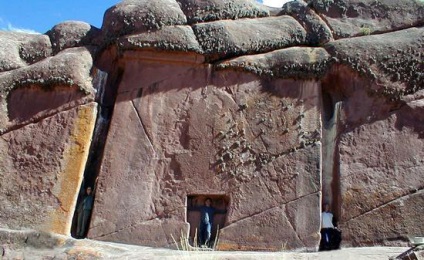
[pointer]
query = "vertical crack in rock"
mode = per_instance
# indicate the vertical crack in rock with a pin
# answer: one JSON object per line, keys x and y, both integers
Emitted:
{"x": 330, "y": 146}
{"x": 144, "y": 127}
{"x": 76, "y": 155}
{"x": 106, "y": 87}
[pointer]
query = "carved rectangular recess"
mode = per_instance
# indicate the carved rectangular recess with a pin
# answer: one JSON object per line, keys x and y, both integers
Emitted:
{"x": 219, "y": 202}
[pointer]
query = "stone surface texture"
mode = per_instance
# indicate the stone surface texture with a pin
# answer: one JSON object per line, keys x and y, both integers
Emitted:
{"x": 227, "y": 38}
{"x": 72, "y": 34}
{"x": 212, "y": 10}
{"x": 295, "y": 62}
{"x": 348, "y": 18}
{"x": 221, "y": 142}
{"x": 47, "y": 119}
{"x": 35, "y": 91}
{"x": 318, "y": 31}
{"x": 41, "y": 170}
{"x": 135, "y": 16}
{"x": 20, "y": 49}
{"x": 39, "y": 245}
{"x": 394, "y": 60}
{"x": 269, "y": 111}
{"x": 168, "y": 38}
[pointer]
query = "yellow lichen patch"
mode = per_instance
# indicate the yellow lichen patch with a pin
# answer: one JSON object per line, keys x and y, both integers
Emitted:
{"x": 69, "y": 180}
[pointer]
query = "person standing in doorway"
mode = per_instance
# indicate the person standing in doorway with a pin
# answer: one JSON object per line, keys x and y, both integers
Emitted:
{"x": 330, "y": 235}
{"x": 207, "y": 213}
{"x": 84, "y": 212}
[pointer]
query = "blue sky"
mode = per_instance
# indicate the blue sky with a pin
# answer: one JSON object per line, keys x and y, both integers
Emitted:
{"x": 41, "y": 15}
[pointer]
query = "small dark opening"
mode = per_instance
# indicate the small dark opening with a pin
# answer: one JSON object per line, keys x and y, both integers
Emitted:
{"x": 327, "y": 106}
{"x": 106, "y": 101}
{"x": 194, "y": 213}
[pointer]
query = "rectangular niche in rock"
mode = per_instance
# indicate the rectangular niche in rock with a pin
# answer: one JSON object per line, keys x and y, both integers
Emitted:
{"x": 206, "y": 214}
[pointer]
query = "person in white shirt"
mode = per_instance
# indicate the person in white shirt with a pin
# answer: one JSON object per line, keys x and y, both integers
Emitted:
{"x": 330, "y": 235}
{"x": 327, "y": 218}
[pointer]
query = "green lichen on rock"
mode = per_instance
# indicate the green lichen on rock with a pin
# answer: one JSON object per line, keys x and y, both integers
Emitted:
{"x": 394, "y": 60}
{"x": 22, "y": 49}
{"x": 346, "y": 17}
{"x": 69, "y": 68}
{"x": 169, "y": 38}
{"x": 318, "y": 31}
{"x": 212, "y": 10}
{"x": 295, "y": 62}
{"x": 224, "y": 39}
{"x": 136, "y": 16}
{"x": 73, "y": 34}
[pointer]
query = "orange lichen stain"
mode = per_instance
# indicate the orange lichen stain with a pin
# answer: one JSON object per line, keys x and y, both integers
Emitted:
{"x": 69, "y": 181}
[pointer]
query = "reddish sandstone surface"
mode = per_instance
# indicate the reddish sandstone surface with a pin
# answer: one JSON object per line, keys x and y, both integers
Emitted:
{"x": 270, "y": 112}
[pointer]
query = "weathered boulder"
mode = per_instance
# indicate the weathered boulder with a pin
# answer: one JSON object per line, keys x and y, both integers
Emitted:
{"x": 73, "y": 34}
{"x": 394, "y": 60}
{"x": 41, "y": 170}
{"x": 294, "y": 62}
{"x": 169, "y": 38}
{"x": 39, "y": 90}
{"x": 317, "y": 30}
{"x": 136, "y": 16}
{"x": 348, "y": 18}
{"x": 212, "y": 10}
{"x": 22, "y": 49}
{"x": 225, "y": 39}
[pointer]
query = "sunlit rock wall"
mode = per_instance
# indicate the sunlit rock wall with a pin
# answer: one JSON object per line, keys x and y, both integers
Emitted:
{"x": 273, "y": 110}
{"x": 183, "y": 128}
{"x": 47, "y": 120}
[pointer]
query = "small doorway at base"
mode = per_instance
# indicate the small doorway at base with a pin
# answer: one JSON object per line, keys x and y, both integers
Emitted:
{"x": 196, "y": 210}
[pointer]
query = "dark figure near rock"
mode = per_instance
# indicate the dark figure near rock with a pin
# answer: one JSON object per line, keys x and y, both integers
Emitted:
{"x": 207, "y": 213}
{"x": 330, "y": 235}
{"x": 84, "y": 211}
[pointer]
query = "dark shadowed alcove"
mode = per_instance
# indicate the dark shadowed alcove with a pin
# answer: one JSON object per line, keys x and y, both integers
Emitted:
{"x": 219, "y": 202}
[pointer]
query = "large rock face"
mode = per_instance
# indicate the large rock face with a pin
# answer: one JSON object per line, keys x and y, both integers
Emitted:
{"x": 47, "y": 118}
{"x": 268, "y": 112}
{"x": 215, "y": 136}
{"x": 41, "y": 168}
{"x": 348, "y": 18}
